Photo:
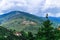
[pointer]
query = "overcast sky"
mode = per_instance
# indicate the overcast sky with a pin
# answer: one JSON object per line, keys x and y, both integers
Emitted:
{"x": 36, "y": 7}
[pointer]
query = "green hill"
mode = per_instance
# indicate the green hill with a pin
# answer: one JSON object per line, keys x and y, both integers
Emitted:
{"x": 17, "y": 20}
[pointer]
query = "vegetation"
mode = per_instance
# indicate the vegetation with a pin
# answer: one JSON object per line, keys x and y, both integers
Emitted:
{"x": 17, "y": 20}
{"x": 45, "y": 32}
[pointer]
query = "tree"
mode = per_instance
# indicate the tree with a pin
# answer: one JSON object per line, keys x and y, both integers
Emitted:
{"x": 30, "y": 36}
{"x": 47, "y": 31}
{"x": 40, "y": 35}
{"x": 24, "y": 35}
{"x": 57, "y": 33}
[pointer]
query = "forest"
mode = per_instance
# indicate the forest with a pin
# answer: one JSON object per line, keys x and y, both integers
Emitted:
{"x": 45, "y": 32}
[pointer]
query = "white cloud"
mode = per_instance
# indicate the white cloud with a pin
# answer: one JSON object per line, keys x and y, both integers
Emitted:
{"x": 57, "y": 15}
{"x": 34, "y": 5}
{"x": 9, "y": 4}
{"x": 51, "y": 4}
{"x": 31, "y": 6}
{"x": 4, "y": 5}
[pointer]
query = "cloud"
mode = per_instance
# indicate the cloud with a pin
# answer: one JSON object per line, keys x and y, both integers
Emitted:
{"x": 5, "y": 5}
{"x": 54, "y": 15}
{"x": 51, "y": 15}
{"x": 36, "y": 7}
{"x": 51, "y": 4}
{"x": 52, "y": 7}
{"x": 28, "y": 5}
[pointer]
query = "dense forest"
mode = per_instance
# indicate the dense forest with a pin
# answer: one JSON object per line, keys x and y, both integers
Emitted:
{"x": 45, "y": 32}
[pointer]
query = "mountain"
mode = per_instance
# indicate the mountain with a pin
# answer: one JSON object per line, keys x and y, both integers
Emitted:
{"x": 18, "y": 20}
{"x": 55, "y": 21}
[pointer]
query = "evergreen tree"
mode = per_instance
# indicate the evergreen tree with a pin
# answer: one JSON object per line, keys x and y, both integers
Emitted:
{"x": 40, "y": 35}
{"x": 47, "y": 31}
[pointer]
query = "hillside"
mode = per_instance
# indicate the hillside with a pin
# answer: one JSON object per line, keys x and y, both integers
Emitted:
{"x": 4, "y": 33}
{"x": 17, "y": 20}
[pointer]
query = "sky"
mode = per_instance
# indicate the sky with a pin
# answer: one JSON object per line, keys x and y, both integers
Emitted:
{"x": 36, "y": 7}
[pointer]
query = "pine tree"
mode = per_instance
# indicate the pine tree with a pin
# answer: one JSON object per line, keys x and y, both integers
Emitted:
{"x": 47, "y": 31}
{"x": 40, "y": 35}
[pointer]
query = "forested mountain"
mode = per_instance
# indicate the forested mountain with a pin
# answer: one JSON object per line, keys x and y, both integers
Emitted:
{"x": 17, "y": 20}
